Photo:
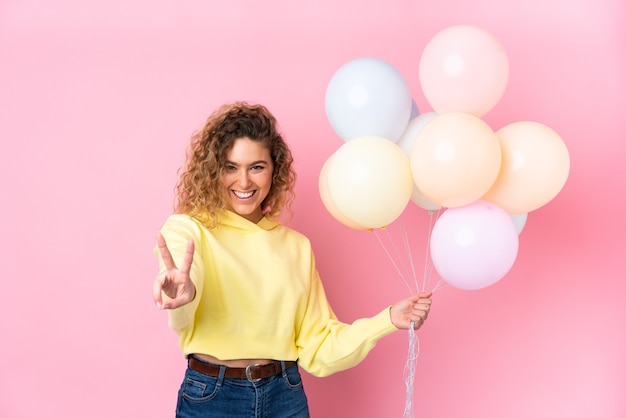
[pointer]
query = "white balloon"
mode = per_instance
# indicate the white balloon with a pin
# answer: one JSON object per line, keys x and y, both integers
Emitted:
{"x": 405, "y": 143}
{"x": 415, "y": 111}
{"x": 368, "y": 97}
{"x": 422, "y": 201}
{"x": 519, "y": 220}
{"x": 413, "y": 128}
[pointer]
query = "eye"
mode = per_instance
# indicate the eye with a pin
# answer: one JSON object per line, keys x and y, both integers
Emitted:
{"x": 231, "y": 167}
{"x": 257, "y": 167}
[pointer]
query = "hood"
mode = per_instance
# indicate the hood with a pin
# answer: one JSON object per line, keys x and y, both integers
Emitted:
{"x": 230, "y": 219}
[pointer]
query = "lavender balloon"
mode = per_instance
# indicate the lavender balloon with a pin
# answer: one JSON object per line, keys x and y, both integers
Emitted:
{"x": 474, "y": 246}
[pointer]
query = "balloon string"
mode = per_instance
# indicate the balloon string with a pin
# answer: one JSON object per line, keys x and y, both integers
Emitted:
{"x": 409, "y": 252}
{"x": 428, "y": 264}
{"x": 402, "y": 256}
{"x": 440, "y": 285}
{"x": 409, "y": 370}
{"x": 391, "y": 258}
{"x": 427, "y": 261}
{"x": 410, "y": 366}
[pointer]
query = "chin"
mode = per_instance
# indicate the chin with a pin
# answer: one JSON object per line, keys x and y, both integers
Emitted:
{"x": 245, "y": 211}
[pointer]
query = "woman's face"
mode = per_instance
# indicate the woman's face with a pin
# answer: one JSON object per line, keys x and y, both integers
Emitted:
{"x": 247, "y": 178}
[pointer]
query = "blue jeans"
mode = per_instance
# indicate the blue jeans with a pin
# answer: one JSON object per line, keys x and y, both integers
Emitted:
{"x": 280, "y": 396}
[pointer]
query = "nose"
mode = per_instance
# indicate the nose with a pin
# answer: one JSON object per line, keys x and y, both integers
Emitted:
{"x": 244, "y": 178}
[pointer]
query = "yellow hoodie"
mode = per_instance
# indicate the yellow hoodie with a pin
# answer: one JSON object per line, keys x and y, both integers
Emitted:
{"x": 259, "y": 295}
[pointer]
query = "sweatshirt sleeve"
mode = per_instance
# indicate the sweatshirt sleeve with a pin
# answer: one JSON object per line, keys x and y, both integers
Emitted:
{"x": 177, "y": 230}
{"x": 327, "y": 345}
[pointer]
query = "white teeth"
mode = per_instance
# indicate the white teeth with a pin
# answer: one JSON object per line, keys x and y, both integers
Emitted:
{"x": 243, "y": 195}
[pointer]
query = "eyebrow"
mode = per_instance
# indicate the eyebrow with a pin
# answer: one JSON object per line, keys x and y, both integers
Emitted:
{"x": 251, "y": 164}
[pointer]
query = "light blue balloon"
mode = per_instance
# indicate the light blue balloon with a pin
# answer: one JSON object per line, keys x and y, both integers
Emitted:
{"x": 368, "y": 97}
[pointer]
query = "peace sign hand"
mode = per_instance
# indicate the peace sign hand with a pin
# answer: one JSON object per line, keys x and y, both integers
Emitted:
{"x": 174, "y": 282}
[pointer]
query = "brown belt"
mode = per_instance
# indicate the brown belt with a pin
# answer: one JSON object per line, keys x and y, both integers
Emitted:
{"x": 253, "y": 372}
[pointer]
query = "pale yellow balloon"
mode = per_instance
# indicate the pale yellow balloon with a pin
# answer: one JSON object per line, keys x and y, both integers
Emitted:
{"x": 535, "y": 167}
{"x": 369, "y": 181}
{"x": 455, "y": 159}
{"x": 328, "y": 201}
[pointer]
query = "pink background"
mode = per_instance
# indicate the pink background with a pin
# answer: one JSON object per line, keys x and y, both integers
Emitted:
{"x": 97, "y": 101}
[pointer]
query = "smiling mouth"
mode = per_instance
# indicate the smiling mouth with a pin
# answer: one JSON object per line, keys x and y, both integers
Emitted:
{"x": 244, "y": 195}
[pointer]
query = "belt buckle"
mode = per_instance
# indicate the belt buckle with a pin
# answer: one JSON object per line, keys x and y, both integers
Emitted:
{"x": 249, "y": 373}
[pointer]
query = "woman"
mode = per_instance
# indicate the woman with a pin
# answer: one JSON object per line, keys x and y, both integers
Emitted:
{"x": 242, "y": 290}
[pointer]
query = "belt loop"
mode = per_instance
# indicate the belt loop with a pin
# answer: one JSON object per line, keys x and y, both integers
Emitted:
{"x": 220, "y": 377}
{"x": 283, "y": 368}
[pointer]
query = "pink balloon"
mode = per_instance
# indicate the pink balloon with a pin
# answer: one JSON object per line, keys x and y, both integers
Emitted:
{"x": 474, "y": 246}
{"x": 463, "y": 69}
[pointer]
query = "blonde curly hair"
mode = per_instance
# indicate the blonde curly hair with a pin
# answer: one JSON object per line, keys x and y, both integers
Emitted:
{"x": 200, "y": 192}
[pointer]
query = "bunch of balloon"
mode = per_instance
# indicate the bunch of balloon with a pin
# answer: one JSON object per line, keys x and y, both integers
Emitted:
{"x": 482, "y": 182}
{"x": 487, "y": 181}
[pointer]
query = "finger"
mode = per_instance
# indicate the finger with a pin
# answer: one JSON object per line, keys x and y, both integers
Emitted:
{"x": 417, "y": 322}
{"x": 421, "y": 312}
{"x": 424, "y": 302}
{"x": 156, "y": 293}
{"x": 186, "y": 265}
{"x": 172, "y": 304}
{"x": 419, "y": 317}
{"x": 175, "y": 302}
{"x": 413, "y": 299}
{"x": 425, "y": 295}
{"x": 421, "y": 307}
{"x": 165, "y": 252}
